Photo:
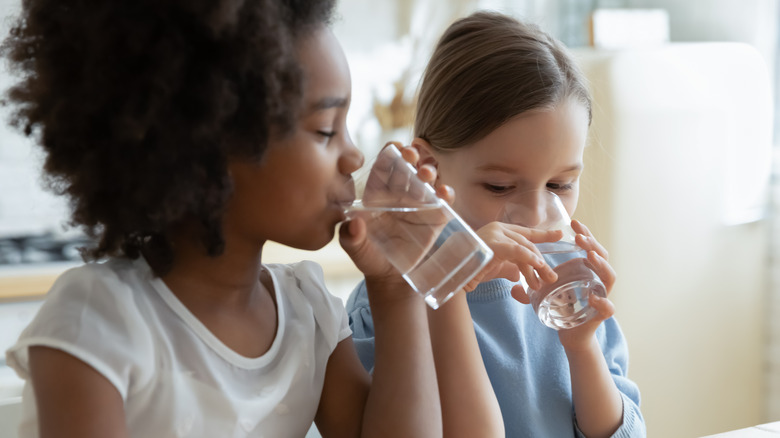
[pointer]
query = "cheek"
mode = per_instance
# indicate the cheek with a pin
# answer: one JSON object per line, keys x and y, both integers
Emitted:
{"x": 570, "y": 202}
{"x": 475, "y": 210}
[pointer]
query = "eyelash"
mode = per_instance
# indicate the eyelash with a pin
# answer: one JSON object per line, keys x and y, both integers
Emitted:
{"x": 330, "y": 134}
{"x": 551, "y": 186}
{"x": 497, "y": 189}
{"x": 560, "y": 187}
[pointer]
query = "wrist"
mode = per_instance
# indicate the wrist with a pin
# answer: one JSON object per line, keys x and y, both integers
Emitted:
{"x": 586, "y": 348}
{"x": 389, "y": 290}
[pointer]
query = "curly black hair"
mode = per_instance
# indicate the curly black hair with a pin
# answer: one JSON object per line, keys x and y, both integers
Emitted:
{"x": 139, "y": 104}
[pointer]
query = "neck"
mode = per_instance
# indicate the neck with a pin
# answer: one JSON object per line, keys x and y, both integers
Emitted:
{"x": 229, "y": 278}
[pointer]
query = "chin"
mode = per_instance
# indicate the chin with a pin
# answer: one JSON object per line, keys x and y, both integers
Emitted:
{"x": 312, "y": 242}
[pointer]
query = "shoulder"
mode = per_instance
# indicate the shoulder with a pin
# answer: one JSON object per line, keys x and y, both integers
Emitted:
{"x": 92, "y": 313}
{"x": 303, "y": 287}
{"x": 96, "y": 286}
{"x": 304, "y": 278}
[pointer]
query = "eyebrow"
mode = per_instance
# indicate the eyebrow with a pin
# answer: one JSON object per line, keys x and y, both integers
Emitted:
{"x": 506, "y": 169}
{"x": 327, "y": 103}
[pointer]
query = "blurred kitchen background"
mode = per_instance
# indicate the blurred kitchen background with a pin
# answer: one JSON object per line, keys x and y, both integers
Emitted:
{"x": 680, "y": 185}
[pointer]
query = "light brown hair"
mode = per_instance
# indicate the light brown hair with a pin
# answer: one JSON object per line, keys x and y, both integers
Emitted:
{"x": 486, "y": 69}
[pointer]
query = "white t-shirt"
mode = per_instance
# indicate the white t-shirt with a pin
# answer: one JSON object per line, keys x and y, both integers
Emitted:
{"x": 175, "y": 377}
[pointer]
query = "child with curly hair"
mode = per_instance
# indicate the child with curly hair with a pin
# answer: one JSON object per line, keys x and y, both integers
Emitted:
{"x": 186, "y": 134}
{"x": 504, "y": 111}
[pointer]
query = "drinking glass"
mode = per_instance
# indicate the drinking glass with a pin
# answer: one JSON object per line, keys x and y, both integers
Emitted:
{"x": 564, "y": 303}
{"x": 435, "y": 251}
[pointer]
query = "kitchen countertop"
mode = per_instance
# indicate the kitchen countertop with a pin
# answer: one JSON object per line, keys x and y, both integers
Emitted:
{"x": 29, "y": 281}
{"x": 768, "y": 430}
{"x": 32, "y": 281}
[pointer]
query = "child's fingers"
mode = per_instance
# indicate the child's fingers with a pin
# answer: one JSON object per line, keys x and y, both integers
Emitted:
{"x": 546, "y": 273}
{"x": 410, "y": 154}
{"x": 537, "y": 262}
{"x": 512, "y": 260}
{"x": 519, "y": 294}
{"x": 530, "y": 277}
{"x": 603, "y": 306}
{"x": 590, "y": 243}
{"x": 580, "y": 228}
{"x": 603, "y": 269}
{"x": 494, "y": 269}
{"x": 517, "y": 238}
{"x": 473, "y": 283}
{"x": 352, "y": 234}
{"x": 421, "y": 192}
{"x": 507, "y": 270}
{"x": 588, "y": 239}
{"x": 534, "y": 235}
{"x": 427, "y": 173}
{"x": 445, "y": 192}
{"x": 528, "y": 259}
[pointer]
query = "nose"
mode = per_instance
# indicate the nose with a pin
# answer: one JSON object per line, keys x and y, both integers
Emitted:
{"x": 528, "y": 209}
{"x": 351, "y": 158}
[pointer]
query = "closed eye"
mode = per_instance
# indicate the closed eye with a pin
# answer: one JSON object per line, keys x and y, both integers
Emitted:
{"x": 497, "y": 189}
{"x": 327, "y": 134}
{"x": 560, "y": 187}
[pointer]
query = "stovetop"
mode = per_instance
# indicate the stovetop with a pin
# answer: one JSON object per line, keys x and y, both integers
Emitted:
{"x": 41, "y": 248}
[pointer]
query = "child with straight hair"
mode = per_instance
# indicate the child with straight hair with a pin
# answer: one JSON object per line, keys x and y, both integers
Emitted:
{"x": 503, "y": 111}
{"x": 186, "y": 134}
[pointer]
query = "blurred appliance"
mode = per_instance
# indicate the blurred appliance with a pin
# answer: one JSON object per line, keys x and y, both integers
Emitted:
{"x": 675, "y": 186}
{"x": 41, "y": 248}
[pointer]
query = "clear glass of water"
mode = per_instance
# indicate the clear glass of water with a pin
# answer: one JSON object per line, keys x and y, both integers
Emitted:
{"x": 564, "y": 303}
{"x": 435, "y": 251}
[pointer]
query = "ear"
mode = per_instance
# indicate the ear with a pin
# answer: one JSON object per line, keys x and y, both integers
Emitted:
{"x": 427, "y": 153}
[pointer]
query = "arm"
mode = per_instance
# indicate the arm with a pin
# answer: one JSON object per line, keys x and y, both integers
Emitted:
{"x": 598, "y": 405}
{"x": 469, "y": 405}
{"x": 73, "y": 399}
{"x": 401, "y": 399}
{"x": 404, "y": 392}
{"x": 597, "y": 402}
{"x": 344, "y": 393}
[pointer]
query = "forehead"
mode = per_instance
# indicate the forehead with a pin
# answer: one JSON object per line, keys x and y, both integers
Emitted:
{"x": 550, "y": 139}
{"x": 325, "y": 68}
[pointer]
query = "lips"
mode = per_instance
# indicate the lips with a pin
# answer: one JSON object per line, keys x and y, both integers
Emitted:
{"x": 347, "y": 195}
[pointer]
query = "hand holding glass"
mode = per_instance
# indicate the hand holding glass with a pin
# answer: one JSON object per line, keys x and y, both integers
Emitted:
{"x": 564, "y": 303}
{"x": 419, "y": 234}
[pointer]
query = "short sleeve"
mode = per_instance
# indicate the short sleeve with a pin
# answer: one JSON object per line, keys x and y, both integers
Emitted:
{"x": 91, "y": 314}
{"x": 328, "y": 309}
{"x": 362, "y": 324}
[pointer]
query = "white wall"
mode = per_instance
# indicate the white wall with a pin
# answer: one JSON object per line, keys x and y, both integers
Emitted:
{"x": 675, "y": 129}
{"x": 754, "y": 22}
{"x": 749, "y": 21}
{"x": 24, "y": 206}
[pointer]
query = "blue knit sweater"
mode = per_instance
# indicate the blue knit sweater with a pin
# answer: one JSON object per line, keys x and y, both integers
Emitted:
{"x": 525, "y": 362}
